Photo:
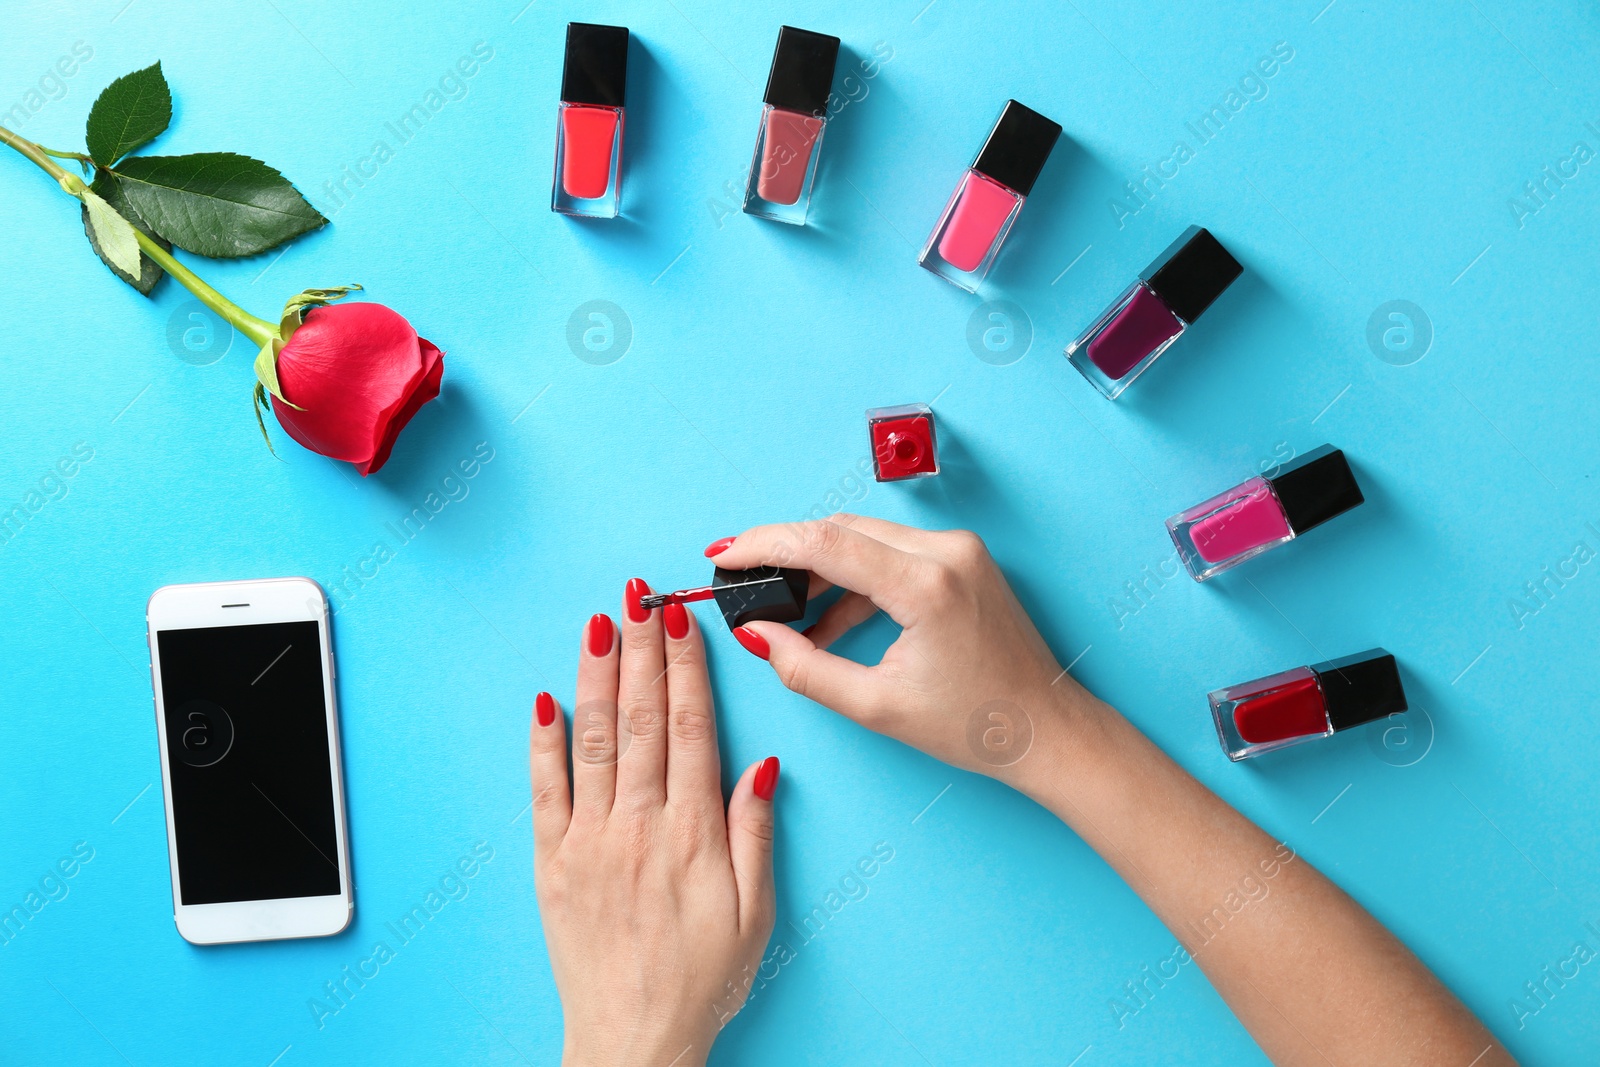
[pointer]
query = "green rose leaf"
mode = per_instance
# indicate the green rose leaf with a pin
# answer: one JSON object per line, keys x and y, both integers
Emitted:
{"x": 217, "y": 204}
{"x": 106, "y": 187}
{"x": 130, "y": 112}
{"x": 112, "y": 235}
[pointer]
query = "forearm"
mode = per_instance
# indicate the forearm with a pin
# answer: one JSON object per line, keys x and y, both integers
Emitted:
{"x": 1313, "y": 977}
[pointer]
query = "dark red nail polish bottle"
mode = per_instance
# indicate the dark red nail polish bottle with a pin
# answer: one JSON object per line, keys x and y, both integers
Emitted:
{"x": 1153, "y": 312}
{"x": 902, "y": 442}
{"x": 594, "y": 81}
{"x": 989, "y": 197}
{"x": 793, "y": 118}
{"x": 1307, "y": 702}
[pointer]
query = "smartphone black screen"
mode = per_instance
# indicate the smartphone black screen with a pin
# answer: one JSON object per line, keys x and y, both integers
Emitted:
{"x": 247, "y": 744}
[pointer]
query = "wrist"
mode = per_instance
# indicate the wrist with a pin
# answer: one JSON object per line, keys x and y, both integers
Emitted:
{"x": 574, "y": 1055}
{"x": 1069, "y": 728}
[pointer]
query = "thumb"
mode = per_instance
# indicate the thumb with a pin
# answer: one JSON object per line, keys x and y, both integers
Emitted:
{"x": 848, "y": 687}
{"x": 750, "y": 829}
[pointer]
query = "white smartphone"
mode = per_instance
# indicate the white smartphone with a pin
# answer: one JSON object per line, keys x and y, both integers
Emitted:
{"x": 244, "y": 688}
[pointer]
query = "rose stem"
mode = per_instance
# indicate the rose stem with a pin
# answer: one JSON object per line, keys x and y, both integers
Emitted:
{"x": 256, "y": 329}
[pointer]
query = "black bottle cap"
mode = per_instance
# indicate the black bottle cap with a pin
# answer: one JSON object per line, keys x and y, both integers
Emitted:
{"x": 596, "y": 69}
{"x": 1316, "y": 487}
{"x": 1191, "y": 273}
{"x": 1017, "y": 147}
{"x": 764, "y": 594}
{"x": 1360, "y": 688}
{"x": 802, "y": 71}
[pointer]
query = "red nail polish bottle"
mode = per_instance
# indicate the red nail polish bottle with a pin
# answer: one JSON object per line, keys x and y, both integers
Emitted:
{"x": 989, "y": 197}
{"x": 902, "y": 442}
{"x": 1264, "y": 512}
{"x": 793, "y": 117}
{"x": 1153, "y": 312}
{"x": 594, "y": 80}
{"x": 1307, "y": 702}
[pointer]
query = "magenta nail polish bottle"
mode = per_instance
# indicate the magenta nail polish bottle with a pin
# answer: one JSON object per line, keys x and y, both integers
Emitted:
{"x": 1153, "y": 312}
{"x": 1263, "y": 513}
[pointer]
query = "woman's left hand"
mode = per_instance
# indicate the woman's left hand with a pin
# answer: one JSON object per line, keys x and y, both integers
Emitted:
{"x": 656, "y": 907}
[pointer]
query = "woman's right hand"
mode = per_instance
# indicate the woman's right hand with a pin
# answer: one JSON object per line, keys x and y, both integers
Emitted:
{"x": 969, "y": 680}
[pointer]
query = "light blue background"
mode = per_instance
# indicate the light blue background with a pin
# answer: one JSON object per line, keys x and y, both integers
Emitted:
{"x": 1381, "y": 164}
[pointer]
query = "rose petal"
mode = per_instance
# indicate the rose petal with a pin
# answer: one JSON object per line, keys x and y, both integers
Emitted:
{"x": 427, "y": 389}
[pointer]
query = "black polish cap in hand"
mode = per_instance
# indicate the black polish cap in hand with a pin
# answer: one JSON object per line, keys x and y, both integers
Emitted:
{"x": 764, "y": 594}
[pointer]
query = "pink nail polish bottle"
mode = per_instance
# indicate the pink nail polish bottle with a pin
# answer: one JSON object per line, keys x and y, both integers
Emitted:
{"x": 989, "y": 197}
{"x": 1264, "y": 512}
{"x": 1153, "y": 312}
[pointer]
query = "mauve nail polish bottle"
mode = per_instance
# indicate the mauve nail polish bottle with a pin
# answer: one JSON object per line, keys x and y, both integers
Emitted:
{"x": 594, "y": 81}
{"x": 990, "y": 195}
{"x": 1264, "y": 512}
{"x": 1153, "y": 312}
{"x": 793, "y": 117}
{"x": 1307, "y": 702}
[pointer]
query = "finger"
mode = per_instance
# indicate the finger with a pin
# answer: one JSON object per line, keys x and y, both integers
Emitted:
{"x": 750, "y": 829}
{"x": 815, "y": 588}
{"x": 547, "y": 768}
{"x": 594, "y": 720}
{"x": 856, "y": 691}
{"x": 642, "y": 702}
{"x": 905, "y": 538}
{"x": 835, "y": 553}
{"x": 842, "y": 616}
{"x": 694, "y": 767}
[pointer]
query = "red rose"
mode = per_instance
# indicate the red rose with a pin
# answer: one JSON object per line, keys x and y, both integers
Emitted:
{"x": 358, "y": 372}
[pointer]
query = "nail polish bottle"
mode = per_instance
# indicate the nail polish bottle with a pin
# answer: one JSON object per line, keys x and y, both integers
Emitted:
{"x": 1153, "y": 312}
{"x": 1307, "y": 702}
{"x": 762, "y": 594}
{"x": 989, "y": 197}
{"x": 902, "y": 442}
{"x": 1264, "y": 512}
{"x": 793, "y": 117}
{"x": 594, "y": 81}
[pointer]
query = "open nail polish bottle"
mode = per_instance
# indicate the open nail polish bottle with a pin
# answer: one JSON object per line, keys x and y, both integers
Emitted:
{"x": 1264, "y": 512}
{"x": 990, "y": 195}
{"x": 1153, "y": 312}
{"x": 793, "y": 117}
{"x": 1307, "y": 702}
{"x": 763, "y": 594}
{"x": 902, "y": 442}
{"x": 594, "y": 80}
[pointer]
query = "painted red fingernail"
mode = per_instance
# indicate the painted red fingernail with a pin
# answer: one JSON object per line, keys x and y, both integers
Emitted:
{"x": 637, "y": 587}
{"x": 753, "y": 642}
{"x": 766, "y": 778}
{"x": 719, "y": 546}
{"x": 600, "y": 633}
{"x": 676, "y": 618}
{"x": 544, "y": 706}
{"x": 807, "y": 631}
